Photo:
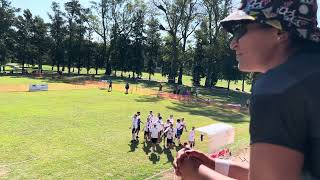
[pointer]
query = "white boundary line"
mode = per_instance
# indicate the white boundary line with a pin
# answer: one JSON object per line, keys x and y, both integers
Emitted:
{"x": 159, "y": 174}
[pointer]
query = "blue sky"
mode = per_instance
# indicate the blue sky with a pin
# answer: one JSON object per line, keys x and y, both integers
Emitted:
{"x": 42, "y": 7}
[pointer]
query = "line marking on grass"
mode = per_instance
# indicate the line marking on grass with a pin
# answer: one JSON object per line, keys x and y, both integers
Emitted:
{"x": 159, "y": 174}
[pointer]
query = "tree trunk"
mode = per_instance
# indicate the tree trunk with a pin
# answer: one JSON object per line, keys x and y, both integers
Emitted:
{"x": 228, "y": 85}
{"x": 106, "y": 55}
{"x": 40, "y": 68}
{"x": 69, "y": 65}
{"x": 96, "y": 71}
{"x": 149, "y": 76}
{"x": 180, "y": 75}
{"x": 208, "y": 78}
{"x": 23, "y": 67}
{"x": 174, "y": 60}
{"x": 243, "y": 80}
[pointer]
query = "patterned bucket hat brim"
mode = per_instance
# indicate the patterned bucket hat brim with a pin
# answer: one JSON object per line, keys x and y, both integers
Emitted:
{"x": 295, "y": 16}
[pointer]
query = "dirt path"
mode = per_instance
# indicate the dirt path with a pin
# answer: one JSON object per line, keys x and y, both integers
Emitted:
{"x": 77, "y": 86}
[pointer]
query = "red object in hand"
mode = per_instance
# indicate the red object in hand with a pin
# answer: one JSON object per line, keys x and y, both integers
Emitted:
{"x": 221, "y": 153}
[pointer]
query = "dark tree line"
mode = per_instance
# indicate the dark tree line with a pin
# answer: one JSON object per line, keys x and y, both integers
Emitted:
{"x": 173, "y": 37}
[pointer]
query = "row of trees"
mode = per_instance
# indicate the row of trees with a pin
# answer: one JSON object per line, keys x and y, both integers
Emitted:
{"x": 176, "y": 37}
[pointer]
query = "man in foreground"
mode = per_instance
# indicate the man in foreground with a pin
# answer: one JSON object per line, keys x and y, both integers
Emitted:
{"x": 280, "y": 39}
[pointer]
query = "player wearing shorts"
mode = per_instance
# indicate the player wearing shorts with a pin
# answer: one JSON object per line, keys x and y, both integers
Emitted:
{"x": 134, "y": 127}
{"x": 170, "y": 135}
{"x": 192, "y": 137}
{"x": 154, "y": 136}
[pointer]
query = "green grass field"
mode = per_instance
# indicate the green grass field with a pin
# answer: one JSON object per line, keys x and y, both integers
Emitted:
{"x": 84, "y": 134}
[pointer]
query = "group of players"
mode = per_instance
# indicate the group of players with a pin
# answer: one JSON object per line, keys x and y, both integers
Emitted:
{"x": 155, "y": 130}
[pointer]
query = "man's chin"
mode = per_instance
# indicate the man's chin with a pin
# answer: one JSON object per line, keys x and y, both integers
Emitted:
{"x": 244, "y": 68}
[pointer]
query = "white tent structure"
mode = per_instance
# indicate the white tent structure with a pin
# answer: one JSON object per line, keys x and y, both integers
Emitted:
{"x": 219, "y": 135}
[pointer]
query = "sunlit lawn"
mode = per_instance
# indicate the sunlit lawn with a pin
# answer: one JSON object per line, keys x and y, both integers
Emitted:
{"x": 84, "y": 134}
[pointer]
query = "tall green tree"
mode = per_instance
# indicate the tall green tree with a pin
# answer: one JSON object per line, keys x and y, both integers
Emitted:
{"x": 97, "y": 55}
{"x": 24, "y": 47}
{"x": 153, "y": 46}
{"x": 58, "y": 32}
{"x": 88, "y": 49}
{"x": 72, "y": 9}
{"x": 138, "y": 44}
{"x": 199, "y": 65}
{"x": 120, "y": 56}
{"x": 81, "y": 29}
{"x": 114, "y": 48}
{"x": 122, "y": 17}
{"x": 40, "y": 40}
{"x": 230, "y": 70}
{"x": 215, "y": 11}
{"x": 173, "y": 11}
{"x": 7, "y": 18}
{"x": 190, "y": 21}
{"x": 100, "y": 20}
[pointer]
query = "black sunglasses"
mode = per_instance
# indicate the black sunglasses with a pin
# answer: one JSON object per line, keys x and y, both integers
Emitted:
{"x": 239, "y": 30}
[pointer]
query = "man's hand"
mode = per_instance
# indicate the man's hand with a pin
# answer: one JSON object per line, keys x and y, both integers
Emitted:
{"x": 186, "y": 156}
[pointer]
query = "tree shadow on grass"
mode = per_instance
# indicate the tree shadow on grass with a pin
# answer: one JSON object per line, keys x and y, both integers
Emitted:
{"x": 159, "y": 149}
{"x": 146, "y": 147}
{"x": 149, "y": 99}
{"x": 154, "y": 158}
{"x": 178, "y": 147}
{"x": 133, "y": 145}
{"x": 213, "y": 112}
{"x": 225, "y": 96}
{"x": 168, "y": 153}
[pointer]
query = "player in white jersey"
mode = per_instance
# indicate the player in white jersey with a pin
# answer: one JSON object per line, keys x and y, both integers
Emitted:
{"x": 192, "y": 137}
{"x": 150, "y": 116}
{"x": 179, "y": 127}
{"x": 170, "y": 135}
{"x": 134, "y": 127}
{"x": 138, "y": 124}
{"x": 154, "y": 136}
{"x": 147, "y": 130}
{"x": 160, "y": 126}
{"x": 171, "y": 119}
{"x": 165, "y": 127}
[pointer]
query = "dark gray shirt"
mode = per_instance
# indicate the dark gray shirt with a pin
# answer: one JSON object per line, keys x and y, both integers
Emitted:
{"x": 285, "y": 109}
